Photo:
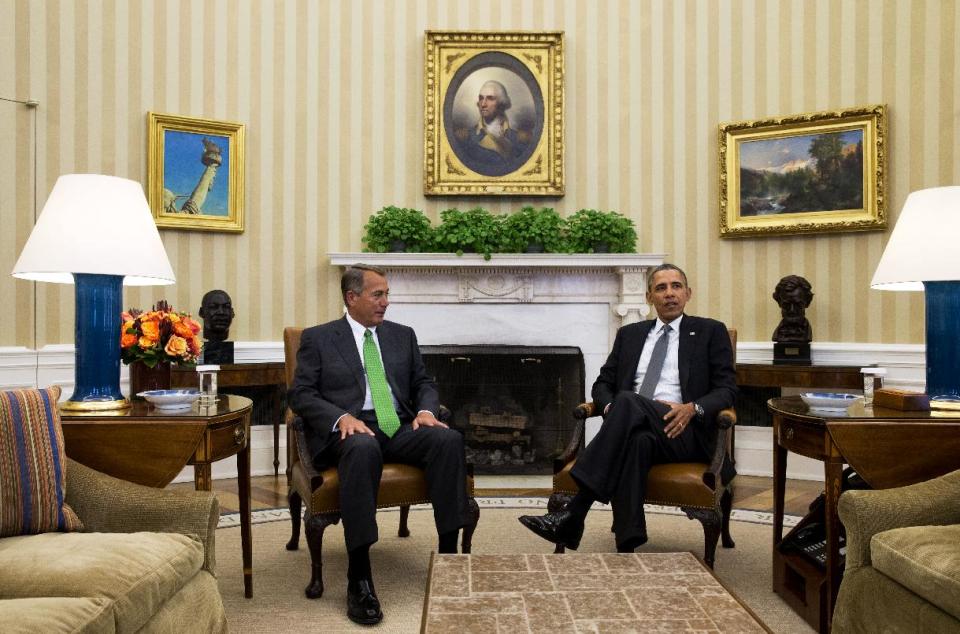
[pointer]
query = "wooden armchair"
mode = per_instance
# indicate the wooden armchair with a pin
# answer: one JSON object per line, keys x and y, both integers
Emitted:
{"x": 696, "y": 487}
{"x": 401, "y": 485}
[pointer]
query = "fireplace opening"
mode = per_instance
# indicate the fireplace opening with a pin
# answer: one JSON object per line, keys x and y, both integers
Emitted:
{"x": 512, "y": 403}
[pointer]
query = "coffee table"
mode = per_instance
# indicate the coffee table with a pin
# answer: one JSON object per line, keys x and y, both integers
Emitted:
{"x": 575, "y": 592}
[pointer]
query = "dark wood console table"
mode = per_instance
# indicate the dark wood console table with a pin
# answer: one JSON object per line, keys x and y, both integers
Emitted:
{"x": 886, "y": 447}
{"x": 810, "y": 376}
{"x": 268, "y": 375}
{"x": 151, "y": 446}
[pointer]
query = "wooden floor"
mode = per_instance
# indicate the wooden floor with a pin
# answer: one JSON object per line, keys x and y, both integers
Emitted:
{"x": 750, "y": 493}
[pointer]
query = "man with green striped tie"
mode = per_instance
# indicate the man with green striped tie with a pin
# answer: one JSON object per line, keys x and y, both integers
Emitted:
{"x": 364, "y": 396}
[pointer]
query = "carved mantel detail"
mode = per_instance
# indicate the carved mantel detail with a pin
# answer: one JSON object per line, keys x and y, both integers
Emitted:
{"x": 618, "y": 280}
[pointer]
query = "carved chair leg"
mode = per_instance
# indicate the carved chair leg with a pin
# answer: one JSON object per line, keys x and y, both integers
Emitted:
{"x": 726, "y": 504}
{"x": 466, "y": 538}
{"x": 710, "y": 518}
{"x": 293, "y": 499}
{"x": 403, "y": 531}
{"x": 316, "y": 524}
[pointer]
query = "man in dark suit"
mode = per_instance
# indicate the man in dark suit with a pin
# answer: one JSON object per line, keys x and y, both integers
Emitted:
{"x": 659, "y": 391}
{"x": 364, "y": 396}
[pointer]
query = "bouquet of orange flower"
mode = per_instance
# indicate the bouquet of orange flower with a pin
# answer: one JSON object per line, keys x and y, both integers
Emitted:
{"x": 161, "y": 334}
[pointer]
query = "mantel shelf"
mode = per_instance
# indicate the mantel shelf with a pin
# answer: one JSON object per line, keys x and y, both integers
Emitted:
{"x": 604, "y": 261}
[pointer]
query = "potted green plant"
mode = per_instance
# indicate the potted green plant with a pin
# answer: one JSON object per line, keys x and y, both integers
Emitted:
{"x": 397, "y": 229}
{"x": 533, "y": 230}
{"x": 474, "y": 231}
{"x": 592, "y": 231}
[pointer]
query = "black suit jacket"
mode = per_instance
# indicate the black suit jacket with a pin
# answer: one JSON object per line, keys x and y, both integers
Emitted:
{"x": 329, "y": 380}
{"x": 707, "y": 374}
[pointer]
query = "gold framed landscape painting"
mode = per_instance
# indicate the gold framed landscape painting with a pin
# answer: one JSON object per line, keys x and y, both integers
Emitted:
{"x": 808, "y": 173}
{"x": 195, "y": 173}
{"x": 493, "y": 113}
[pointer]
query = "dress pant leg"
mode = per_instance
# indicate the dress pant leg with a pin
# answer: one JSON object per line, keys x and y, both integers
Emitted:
{"x": 602, "y": 461}
{"x": 629, "y": 521}
{"x": 359, "y": 468}
{"x": 439, "y": 452}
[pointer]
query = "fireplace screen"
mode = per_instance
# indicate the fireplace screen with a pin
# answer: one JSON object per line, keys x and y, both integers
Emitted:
{"x": 512, "y": 403}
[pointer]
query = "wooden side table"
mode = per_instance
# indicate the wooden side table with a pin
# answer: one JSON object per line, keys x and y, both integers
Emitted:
{"x": 150, "y": 446}
{"x": 886, "y": 447}
{"x": 813, "y": 375}
{"x": 267, "y": 374}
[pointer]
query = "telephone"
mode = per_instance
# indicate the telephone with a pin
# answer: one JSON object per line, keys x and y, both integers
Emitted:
{"x": 811, "y": 542}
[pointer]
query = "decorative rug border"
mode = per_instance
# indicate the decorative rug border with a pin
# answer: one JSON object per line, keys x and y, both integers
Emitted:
{"x": 232, "y": 520}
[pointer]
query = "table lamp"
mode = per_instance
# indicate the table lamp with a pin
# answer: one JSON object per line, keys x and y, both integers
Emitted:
{"x": 922, "y": 255}
{"x": 97, "y": 233}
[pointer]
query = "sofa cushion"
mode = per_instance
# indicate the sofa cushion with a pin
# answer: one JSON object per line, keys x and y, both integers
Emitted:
{"x": 138, "y": 571}
{"x": 32, "y": 464}
{"x": 56, "y": 614}
{"x": 923, "y": 559}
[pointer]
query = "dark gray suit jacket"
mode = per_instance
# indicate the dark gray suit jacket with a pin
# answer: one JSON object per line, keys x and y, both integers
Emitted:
{"x": 707, "y": 374}
{"x": 329, "y": 381}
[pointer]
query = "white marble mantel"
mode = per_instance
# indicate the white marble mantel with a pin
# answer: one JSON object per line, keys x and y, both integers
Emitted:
{"x": 618, "y": 280}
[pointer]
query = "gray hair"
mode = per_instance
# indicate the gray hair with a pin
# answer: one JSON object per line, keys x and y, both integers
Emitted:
{"x": 665, "y": 267}
{"x": 503, "y": 98}
{"x": 352, "y": 278}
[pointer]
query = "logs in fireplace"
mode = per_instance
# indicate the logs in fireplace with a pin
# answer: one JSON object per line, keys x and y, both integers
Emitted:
{"x": 512, "y": 403}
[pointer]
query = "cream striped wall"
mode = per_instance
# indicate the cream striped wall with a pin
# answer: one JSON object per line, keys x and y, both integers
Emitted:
{"x": 331, "y": 93}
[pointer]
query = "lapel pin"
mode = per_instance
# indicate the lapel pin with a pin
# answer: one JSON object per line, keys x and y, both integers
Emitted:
{"x": 692, "y": 333}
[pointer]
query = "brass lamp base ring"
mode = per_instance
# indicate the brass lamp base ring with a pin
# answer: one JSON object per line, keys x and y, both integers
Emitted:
{"x": 95, "y": 406}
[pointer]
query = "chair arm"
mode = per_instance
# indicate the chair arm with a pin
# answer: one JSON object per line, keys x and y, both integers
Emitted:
{"x": 865, "y": 513}
{"x": 109, "y": 505}
{"x": 581, "y": 413}
{"x": 727, "y": 418}
{"x": 303, "y": 454}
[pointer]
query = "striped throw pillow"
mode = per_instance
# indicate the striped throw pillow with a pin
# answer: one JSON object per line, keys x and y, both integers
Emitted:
{"x": 32, "y": 465}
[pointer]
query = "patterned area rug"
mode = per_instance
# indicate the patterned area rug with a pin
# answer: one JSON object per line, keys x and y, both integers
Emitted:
{"x": 400, "y": 565}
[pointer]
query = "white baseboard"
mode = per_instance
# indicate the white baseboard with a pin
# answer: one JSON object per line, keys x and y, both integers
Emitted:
{"x": 905, "y": 363}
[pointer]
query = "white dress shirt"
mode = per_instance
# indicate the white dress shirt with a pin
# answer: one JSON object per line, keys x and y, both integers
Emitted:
{"x": 668, "y": 387}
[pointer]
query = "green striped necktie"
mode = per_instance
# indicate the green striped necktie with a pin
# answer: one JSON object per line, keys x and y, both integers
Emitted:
{"x": 387, "y": 417}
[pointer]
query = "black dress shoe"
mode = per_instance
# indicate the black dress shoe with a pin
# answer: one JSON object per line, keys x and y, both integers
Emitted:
{"x": 560, "y": 528}
{"x": 363, "y": 606}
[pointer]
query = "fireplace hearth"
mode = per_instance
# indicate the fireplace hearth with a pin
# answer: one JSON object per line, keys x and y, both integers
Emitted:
{"x": 513, "y": 404}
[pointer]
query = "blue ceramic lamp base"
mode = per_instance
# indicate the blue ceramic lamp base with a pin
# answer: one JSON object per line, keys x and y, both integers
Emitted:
{"x": 943, "y": 344}
{"x": 97, "y": 341}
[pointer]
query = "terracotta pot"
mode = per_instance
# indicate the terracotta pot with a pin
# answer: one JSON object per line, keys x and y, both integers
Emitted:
{"x": 143, "y": 378}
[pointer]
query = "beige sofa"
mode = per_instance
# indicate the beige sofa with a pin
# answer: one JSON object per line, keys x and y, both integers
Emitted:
{"x": 143, "y": 563}
{"x": 903, "y": 559}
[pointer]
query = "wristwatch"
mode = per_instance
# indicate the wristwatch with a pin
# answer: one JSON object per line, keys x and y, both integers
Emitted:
{"x": 698, "y": 409}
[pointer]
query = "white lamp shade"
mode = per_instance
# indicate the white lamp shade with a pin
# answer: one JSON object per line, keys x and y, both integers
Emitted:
{"x": 925, "y": 244}
{"x": 98, "y": 225}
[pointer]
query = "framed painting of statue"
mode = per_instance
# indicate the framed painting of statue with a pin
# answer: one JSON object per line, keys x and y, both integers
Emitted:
{"x": 195, "y": 173}
{"x": 820, "y": 172}
{"x": 493, "y": 113}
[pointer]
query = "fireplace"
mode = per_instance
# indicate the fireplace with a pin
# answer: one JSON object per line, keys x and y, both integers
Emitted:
{"x": 512, "y": 403}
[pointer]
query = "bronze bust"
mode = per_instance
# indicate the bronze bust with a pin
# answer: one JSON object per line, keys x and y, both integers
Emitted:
{"x": 793, "y": 334}
{"x": 216, "y": 310}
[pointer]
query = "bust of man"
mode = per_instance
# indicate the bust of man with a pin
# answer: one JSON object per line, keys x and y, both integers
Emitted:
{"x": 793, "y": 293}
{"x": 216, "y": 310}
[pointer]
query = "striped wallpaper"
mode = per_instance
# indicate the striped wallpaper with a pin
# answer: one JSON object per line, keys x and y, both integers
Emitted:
{"x": 331, "y": 93}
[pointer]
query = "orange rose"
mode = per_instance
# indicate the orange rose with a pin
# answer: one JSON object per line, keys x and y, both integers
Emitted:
{"x": 150, "y": 330}
{"x": 194, "y": 326}
{"x": 146, "y": 343}
{"x": 195, "y": 346}
{"x": 176, "y": 347}
{"x": 127, "y": 341}
{"x": 182, "y": 330}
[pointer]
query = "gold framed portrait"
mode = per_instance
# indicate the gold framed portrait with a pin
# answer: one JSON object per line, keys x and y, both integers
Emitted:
{"x": 493, "y": 113}
{"x": 195, "y": 173}
{"x": 819, "y": 172}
